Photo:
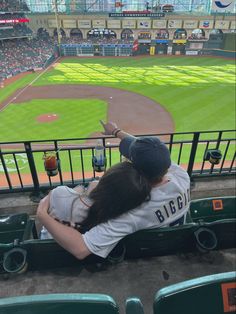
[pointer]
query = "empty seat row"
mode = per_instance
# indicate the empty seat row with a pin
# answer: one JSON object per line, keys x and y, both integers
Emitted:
{"x": 214, "y": 294}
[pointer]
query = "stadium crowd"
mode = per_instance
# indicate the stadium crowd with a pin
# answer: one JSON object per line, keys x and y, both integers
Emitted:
{"x": 102, "y": 41}
{"x": 15, "y": 31}
{"x": 20, "y": 52}
{"x": 13, "y": 6}
{"x": 21, "y": 55}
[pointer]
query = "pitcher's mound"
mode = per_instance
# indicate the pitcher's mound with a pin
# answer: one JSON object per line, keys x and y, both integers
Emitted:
{"x": 48, "y": 117}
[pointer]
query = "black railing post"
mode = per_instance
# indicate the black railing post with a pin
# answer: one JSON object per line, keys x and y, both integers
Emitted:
{"x": 36, "y": 195}
{"x": 5, "y": 170}
{"x": 193, "y": 153}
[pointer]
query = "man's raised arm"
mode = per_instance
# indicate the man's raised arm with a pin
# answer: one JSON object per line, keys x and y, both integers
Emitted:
{"x": 111, "y": 128}
{"x": 69, "y": 238}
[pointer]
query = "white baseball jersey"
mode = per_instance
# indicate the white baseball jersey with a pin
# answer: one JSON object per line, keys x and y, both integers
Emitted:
{"x": 168, "y": 206}
{"x": 68, "y": 206}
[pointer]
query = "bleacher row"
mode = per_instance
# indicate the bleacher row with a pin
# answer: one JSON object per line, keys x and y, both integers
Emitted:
{"x": 13, "y": 6}
{"x": 214, "y": 294}
{"x": 22, "y": 55}
{"x": 210, "y": 225}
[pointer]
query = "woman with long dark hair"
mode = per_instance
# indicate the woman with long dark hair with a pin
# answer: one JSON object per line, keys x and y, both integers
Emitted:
{"x": 121, "y": 206}
{"x": 119, "y": 190}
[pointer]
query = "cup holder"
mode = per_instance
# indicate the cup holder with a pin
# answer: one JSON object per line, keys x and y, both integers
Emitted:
{"x": 206, "y": 240}
{"x": 14, "y": 261}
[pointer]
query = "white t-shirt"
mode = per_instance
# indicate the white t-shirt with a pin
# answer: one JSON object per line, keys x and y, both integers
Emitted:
{"x": 67, "y": 206}
{"x": 168, "y": 206}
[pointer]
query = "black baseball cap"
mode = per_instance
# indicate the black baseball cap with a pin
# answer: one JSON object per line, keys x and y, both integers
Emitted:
{"x": 148, "y": 154}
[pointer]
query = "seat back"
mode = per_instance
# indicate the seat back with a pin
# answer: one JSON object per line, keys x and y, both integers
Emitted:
{"x": 59, "y": 304}
{"x": 133, "y": 305}
{"x": 15, "y": 227}
{"x": 160, "y": 241}
{"x": 214, "y": 294}
{"x": 214, "y": 208}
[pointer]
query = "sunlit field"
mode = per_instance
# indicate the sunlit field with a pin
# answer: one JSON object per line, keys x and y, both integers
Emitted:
{"x": 199, "y": 93}
{"x": 73, "y": 119}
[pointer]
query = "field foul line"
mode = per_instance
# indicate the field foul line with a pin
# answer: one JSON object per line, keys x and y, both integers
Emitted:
{"x": 27, "y": 86}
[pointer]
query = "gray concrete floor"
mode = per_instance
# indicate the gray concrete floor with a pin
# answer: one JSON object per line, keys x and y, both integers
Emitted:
{"x": 140, "y": 277}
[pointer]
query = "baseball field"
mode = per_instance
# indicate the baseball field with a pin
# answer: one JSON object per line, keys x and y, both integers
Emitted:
{"x": 196, "y": 94}
{"x": 144, "y": 95}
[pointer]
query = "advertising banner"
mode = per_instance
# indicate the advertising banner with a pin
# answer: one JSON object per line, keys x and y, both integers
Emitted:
{"x": 84, "y": 23}
{"x": 174, "y": 23}
{"x": 152, "y": 50}
{"x": 136, "y": 14}
{"x": 14, "y": 21}
{"x": 222, "y": 6}
{"x": 69, "y": 23}
{"x": 233, "y": 25}
{"x": 206, "y": 24}
{"x": 191, "y": 52}
{"x": 222, "y": 24}
{"x": 129, "y": 24}
{"x": 52, "y": 23}
{"x": 99, "y": 23}
{"x": 144, "y": 24}
{"x": 159, "y": 24}
{"x": 179, "y": 41}
{"x": 113, "y": 24}
{"x": 169, "y": 50}
{"x": 162, "y": 41}
{"x": 191, "y": 24}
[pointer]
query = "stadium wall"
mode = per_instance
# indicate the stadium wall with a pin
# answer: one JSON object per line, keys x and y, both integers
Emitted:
{"x": 170, "y": 22}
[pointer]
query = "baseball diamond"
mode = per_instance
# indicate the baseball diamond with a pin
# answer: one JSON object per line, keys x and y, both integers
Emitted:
{"x": 154, "y": 216}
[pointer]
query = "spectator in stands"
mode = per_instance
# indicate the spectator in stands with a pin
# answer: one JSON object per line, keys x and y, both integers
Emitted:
{"x": 168, "y": 204}
{"x": 21, "y": 55}
{"x": 119, "y": 190}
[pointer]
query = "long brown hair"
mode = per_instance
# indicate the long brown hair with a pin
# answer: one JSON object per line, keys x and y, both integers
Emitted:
{"x": 121, "y": 189}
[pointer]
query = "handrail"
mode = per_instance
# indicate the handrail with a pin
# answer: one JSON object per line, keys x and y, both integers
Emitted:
{"x": 22, "y": 169}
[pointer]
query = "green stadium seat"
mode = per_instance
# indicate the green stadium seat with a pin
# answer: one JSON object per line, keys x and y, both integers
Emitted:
{"x": 15, "y": 227}
{"x": 214, "y": 294}
{"x": 59, "y": 304}
{"x": 212, "y": 209}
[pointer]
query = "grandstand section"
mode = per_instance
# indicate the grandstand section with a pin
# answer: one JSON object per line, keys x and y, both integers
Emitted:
{"x": 157, "y": 68}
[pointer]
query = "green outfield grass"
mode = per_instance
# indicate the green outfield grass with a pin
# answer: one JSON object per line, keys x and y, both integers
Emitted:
{"x": 74, "y": 117}
{"x": 199, "y": 93}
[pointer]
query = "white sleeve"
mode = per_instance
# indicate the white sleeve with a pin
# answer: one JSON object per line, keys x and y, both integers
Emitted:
{"x": 102, "y": 238}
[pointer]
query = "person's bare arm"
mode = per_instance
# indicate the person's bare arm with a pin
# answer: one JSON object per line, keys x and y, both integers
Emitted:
{"x": 69, "y": 238}
{"x": 111, "y": 128}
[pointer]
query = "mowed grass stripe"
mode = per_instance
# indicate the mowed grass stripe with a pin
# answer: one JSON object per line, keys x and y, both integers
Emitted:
{"x": 76, "y": 118}
{"x": 199, "y": 93}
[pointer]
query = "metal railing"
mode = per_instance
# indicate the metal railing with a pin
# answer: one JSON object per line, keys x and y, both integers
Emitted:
{"x": 22, "y": 166}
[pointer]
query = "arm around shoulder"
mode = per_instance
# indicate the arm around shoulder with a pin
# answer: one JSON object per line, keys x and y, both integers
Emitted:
{"x": 67, "y": 237}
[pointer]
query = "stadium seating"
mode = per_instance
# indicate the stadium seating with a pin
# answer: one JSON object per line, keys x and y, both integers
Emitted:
{"x": 60, "y": 304}
{"x": 207, "y": 229}
{"x": 214, "y": 294}
{"x": 15, "y": 226}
